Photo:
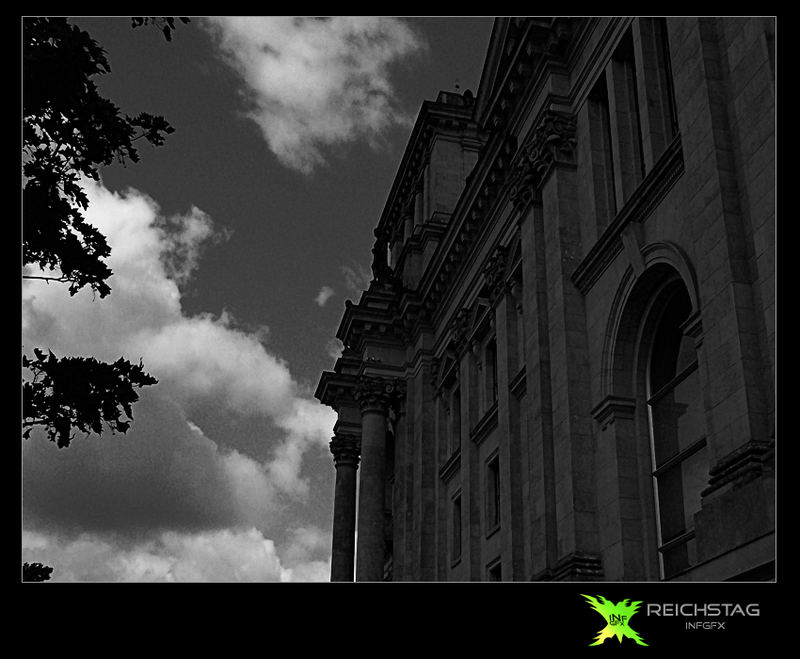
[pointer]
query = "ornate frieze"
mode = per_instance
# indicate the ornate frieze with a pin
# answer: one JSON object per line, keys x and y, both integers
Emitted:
{"x": 346, "y": 449}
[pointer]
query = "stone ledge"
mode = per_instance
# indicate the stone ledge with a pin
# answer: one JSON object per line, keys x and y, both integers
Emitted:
{"x": 746, "y": 463}
{"x": 449, "y": 468}
{"x": 485, "y": 425}
{"x": 612, "y": 408}
{"x": 577, "y": 566}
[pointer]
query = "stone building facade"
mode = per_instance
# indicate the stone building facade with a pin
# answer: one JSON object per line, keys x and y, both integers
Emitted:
{"x": 563, "y": 368}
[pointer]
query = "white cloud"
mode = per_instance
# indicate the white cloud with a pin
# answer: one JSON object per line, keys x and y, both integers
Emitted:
{"x": 210, "y": 556}
{"x": 166, "y": 473}
{"x": 183, "y": 236}
{"x": 325, "y": 294}
{"x": 311, "y": 83}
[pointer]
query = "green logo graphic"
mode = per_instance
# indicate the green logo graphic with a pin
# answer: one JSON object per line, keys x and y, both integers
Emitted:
{"x": 618, "y": 618}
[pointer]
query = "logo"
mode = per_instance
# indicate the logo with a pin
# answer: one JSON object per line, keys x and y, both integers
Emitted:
{"x": 618, "y": 618}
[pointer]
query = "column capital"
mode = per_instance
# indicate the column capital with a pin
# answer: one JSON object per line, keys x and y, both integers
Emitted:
{"x": 551, "y": 142}
{"x": 376, "y": 393}
{"x": 494, "y": 273}
{"x": 346, "y": 449}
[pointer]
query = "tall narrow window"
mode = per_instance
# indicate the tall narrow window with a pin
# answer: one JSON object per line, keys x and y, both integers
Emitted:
{"x": 455, "y": 419}
{"x": 626, "y": 127}
{"x": 602, "y": 153}
{"x": 665, "y": 74}
{"x": 680, "y": 464}
{"x": 491, "y": 371}
{"x": 455, "y": 544}
{"x": 495, "y": 572}
{"x": 492, "y": 494}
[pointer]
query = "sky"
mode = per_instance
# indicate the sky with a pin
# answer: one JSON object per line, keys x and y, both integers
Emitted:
{"x": 234, "y": 247}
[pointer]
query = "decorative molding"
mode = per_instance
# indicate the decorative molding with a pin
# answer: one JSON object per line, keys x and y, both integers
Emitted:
{"x": 655, "y": 186}
{"x": 460, "y": 328}
{"x": 528, "y": 45}
{"x": 749, "y": 462}
{"x": 451, "y": 467}
{"x": 577, "y": 566}
{"x": 612, "y": 408}
{"x": 487, "y": 423}
{"x": 375, "y": 393}
{"x": 693, "y": 327}
{"x": 632, "y": 240}
{"x": 468, "y": 220}
{"x": 450, "y": 116}
{"x": 551, "y": 142}
{"x": 336, "y": 389}
{"x": 346, "y": 449}
{"x": 495, "y": 272}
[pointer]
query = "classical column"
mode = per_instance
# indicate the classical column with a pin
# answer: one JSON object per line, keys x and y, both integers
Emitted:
{"x": 345, "y": 448}
{"x": 374, "y": 395}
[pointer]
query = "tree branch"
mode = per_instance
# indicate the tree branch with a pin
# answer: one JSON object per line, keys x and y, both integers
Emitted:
{"x": 61, "y": 280}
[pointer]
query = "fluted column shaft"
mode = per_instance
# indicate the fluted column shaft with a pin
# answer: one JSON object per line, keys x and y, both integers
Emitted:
{"x": 345, "y": 449}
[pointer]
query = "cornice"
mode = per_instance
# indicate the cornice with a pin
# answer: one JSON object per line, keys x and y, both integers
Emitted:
{"x": 528, "y": 44}
{"x": 483, "y": 192}
{"x": 373, "y": 317}
{"x": 435, "y": 118}
{"x": 336, "y": 389}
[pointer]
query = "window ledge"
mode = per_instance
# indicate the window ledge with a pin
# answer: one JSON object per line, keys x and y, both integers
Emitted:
{"x": 487, "y": 423}
{"x": 451, "y": 467}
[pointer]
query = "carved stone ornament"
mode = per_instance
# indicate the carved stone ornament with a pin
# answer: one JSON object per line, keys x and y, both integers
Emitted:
{"x": 552, "y": 141}
{"x": 378, "y": 393}
{"x": 460, "y": 327}
{"x": 346, "y": 449}
{"x": 495, "y": 271}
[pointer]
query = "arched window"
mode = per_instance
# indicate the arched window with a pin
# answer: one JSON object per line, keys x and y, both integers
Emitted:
{"x": 678, "y": 434}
